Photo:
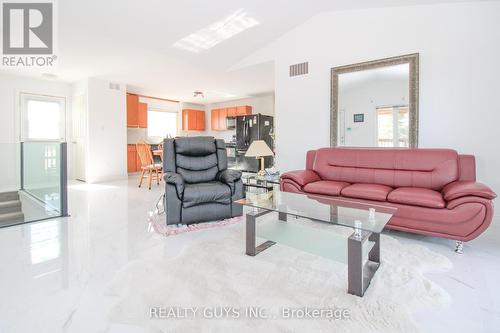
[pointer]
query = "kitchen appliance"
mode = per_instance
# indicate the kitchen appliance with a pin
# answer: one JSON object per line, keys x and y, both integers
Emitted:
{"x": 231, "y": 122}
{"x": 248, "y": 129}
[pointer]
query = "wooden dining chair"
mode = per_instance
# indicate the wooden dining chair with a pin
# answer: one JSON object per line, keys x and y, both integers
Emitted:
{"x": 160, "y": 148}
{"x": 148, "y": 164}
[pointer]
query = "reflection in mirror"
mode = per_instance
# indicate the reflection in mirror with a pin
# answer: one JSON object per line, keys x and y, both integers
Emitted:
{"x": 373, "y": 107}
{"x": 374, "y": 104}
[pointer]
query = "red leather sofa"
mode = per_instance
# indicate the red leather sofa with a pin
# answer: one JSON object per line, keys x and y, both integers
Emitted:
{"x": 435, "y": 190}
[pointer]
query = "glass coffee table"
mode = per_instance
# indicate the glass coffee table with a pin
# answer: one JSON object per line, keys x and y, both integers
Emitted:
{"x": 340, "y": 229}
{"x": 266, "y": 183}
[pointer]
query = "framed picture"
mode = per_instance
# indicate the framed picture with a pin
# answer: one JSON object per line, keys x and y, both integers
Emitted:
{"x": 359, "y": 117}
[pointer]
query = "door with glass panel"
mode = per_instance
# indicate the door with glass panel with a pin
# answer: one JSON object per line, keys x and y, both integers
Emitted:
{"x": 392, "y": 126}
{"x": 342, "y": 138}
{"x": 43, "y": 152}
{"x": 79, "y": 133}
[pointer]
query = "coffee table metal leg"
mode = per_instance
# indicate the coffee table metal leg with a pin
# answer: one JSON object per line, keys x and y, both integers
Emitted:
{"x": 250, "y": 235}
{"x": 355, "y": 266}
{"x": 360, "y": 274}
{"x": 251, "y": 249}
{"x": 282, "y": 216}
{"x": 374, "y": 254}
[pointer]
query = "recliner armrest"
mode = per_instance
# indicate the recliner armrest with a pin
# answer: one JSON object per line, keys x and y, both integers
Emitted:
{"x": 175, "y": 179}
{"x": 301, "y": 177}
{"x": 460, "y": 189}
{"x": 229, "y": 176}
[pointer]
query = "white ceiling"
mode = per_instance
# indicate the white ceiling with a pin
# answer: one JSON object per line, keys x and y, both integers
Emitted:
{"x": 131, "y": 42}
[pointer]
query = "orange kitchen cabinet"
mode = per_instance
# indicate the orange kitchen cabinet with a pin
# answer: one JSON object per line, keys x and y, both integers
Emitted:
{"x": 188, "y": 120}
{"x": 218, "y": 116}
{"x": 243, "y": 110}
{"x": 214, "y": 119}
{"x": 200, "y": 120}
{"x": 193, "y": 120}
{"x": 132, "y": 110}
{"x": 222, "y": 119}
{"x": 142, "y": 115}
{"x": 131, "y": 158}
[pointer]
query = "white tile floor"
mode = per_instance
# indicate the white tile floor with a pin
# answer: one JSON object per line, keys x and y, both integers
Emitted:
{"x": 54, "y": 274}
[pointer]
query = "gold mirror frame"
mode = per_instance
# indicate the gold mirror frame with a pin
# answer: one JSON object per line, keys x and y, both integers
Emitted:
{"x": 411, "y": 59}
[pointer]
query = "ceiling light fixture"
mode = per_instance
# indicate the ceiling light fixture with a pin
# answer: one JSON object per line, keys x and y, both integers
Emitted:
{"x": 198, "y": 93}
{"x": 217, "y": 32}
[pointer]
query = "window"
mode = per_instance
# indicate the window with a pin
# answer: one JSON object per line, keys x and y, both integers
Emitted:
{"x": 162, "y": 123}
{"x": 217, "y": 32}
{"x": 393, "y": 126}
{"x": 42, "y": 118}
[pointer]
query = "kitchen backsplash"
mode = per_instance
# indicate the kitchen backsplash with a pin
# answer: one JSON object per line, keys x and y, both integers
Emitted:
{"x": 136, "y": 134}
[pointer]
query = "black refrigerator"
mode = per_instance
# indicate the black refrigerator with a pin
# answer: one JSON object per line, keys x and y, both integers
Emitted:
{"x": 250, "y": 128}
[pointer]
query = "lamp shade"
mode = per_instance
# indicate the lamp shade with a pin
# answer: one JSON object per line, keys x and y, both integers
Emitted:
{"x": 259, "y": 148}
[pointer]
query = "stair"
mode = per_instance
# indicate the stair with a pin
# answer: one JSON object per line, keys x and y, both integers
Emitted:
{"x": 9, "y": 196}
{"x": 11, "y": 218}
{"x": 10, "y": 209}
{"x": 10, "y": 206}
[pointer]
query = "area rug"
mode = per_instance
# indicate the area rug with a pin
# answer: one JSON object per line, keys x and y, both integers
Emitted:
{"x": 212, "y": 286}
{"x": 156, "y": 223}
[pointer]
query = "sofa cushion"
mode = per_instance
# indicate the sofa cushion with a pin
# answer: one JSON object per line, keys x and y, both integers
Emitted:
{"x": 417, "y": 196}
{"x": 327, "y": 187}
{"x": 195, "y": 194}
{"x": 367, "y": 191}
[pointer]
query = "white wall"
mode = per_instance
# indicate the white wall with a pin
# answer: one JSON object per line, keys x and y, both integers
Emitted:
{"x": 459, "y": 46}
{"x": 364, "y": 97}
{"x": 10, "y": 87}
{"x": 107, "y": 132}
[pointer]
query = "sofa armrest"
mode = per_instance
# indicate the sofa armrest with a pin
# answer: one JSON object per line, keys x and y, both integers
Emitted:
{"x": 175, "y": 179}
{"x": 460, "y": 189}
{"x": 301, "y": 177}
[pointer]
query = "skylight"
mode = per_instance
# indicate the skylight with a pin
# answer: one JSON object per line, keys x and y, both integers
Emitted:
{"x": 217, "y": 32}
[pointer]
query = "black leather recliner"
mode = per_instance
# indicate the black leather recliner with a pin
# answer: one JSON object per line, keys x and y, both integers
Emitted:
{"x": 198, "y": 185}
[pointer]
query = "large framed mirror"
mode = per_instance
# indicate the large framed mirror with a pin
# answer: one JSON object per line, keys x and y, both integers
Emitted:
{"x": 375, "y": 103}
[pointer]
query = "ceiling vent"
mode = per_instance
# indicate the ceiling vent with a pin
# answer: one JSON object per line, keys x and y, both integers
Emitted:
{"x": 114, "y": 86}
{"x": 299, "y": 69}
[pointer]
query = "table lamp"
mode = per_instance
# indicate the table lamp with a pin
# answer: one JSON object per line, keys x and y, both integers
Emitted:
{"x": 259, "y": 149}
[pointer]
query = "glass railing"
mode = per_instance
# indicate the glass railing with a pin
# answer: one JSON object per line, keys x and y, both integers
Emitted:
{"x": 9, "y": 167}
{"x": 33, "y": 185}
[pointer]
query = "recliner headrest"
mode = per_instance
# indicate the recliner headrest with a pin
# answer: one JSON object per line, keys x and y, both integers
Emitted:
{"x": 195, "y": 146}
